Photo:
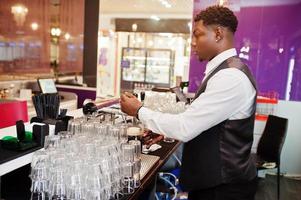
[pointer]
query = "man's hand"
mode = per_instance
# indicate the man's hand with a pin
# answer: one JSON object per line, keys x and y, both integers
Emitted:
{"x": 130, "y": 104}
{"x": 150, "y": 138}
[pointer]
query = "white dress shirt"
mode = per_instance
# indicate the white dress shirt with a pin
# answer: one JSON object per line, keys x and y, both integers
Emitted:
{"x": 229, "y": 95}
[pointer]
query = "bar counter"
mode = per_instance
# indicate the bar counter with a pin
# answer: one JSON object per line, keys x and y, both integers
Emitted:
{"x": 164, "y": 153}
{"x": 13, "y": 160}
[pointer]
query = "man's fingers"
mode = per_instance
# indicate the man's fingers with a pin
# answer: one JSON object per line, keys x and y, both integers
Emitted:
{"x": 123, "y": 97}
{"x": 154, "y": 141}
{"x": 129, "y": 95}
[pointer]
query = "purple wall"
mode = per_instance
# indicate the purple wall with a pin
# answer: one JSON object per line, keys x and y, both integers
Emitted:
{"x": 273, "y": 35}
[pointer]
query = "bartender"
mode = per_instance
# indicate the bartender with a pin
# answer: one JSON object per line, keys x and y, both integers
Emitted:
{"x": 217, "y": 128}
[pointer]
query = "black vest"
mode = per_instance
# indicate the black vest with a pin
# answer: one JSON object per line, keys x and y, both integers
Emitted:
{"x": 220, "y": 154}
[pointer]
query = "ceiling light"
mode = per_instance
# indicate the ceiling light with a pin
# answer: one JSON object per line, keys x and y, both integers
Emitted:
{"x": 189, "y": 24}
{"x": 154, "y": 17}
{"x": 67, "y": 36}
{"x": 34, "y": 26}
{"x": 165, "y": 3}
{"x": 134, "y": 27}
{"x": 223, "y": 2}
{"x": 19, "y": 11}
{"x": 55, "y": 32}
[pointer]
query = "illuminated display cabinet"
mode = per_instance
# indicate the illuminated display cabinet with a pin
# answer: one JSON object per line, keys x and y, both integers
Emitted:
{"x": 145, "y": 65}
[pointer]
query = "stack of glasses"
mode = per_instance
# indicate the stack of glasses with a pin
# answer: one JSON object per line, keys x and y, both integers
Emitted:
{"x": 91, "y": 160}
{"x": 165, "y": 102}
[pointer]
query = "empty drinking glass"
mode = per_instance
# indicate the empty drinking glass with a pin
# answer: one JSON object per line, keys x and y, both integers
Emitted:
{"x": 52, "y": 142}
{"x": 136, "y": 173}
{"x": 39, "y": 190}
{"x": 128, "y": 179}
{"x": 128, "y": 152}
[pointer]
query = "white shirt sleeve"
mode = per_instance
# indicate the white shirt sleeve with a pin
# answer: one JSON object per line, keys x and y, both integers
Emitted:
{"x": 229, "y": 92}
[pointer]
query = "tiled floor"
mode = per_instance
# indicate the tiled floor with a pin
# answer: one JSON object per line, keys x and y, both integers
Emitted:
{"x": 267, "y": 189}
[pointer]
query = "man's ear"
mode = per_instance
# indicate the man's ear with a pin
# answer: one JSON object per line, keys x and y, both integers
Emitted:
{"x": 219, "y": 33}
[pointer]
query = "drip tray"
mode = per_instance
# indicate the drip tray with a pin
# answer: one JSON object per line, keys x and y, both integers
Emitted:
{"x": 147, "y": 162}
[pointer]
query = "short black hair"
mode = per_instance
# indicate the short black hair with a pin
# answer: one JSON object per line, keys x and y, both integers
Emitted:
{"x": 218, "y": 15}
